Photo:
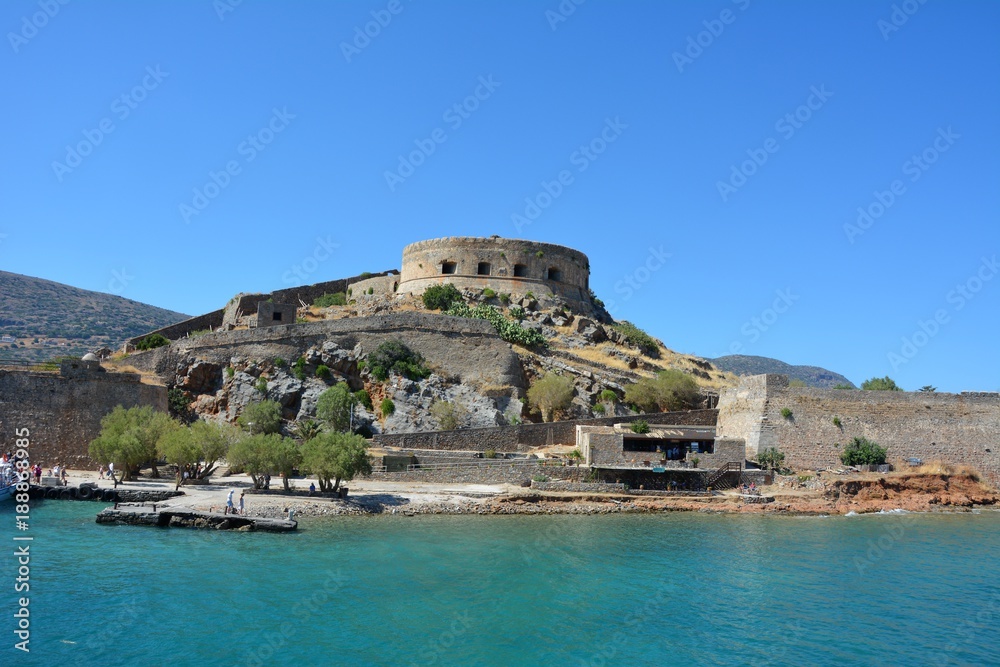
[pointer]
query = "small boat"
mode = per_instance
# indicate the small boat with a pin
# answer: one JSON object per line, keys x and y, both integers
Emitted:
{"x": 8, "y": 481}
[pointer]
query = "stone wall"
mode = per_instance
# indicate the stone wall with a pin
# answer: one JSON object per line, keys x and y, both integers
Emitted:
{"x": 953, "y": 428}
{"x": 523, "y": 437}
{"x": 381, "y": 286}
{"x": 603, "y": 448}
{"x": 486, "y": 472}
{"x": 309, "y": 293}
{"x": 64, "y": 413}
{"x": 467, "y": 349}
{"x": 504, "y": 265}
{"x": 212, "y": 320}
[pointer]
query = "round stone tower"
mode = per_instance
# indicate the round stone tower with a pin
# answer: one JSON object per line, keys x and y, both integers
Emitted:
{"x": 504, "y": 265}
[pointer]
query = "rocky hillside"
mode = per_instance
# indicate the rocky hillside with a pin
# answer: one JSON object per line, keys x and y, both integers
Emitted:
{"x": 472, "y": 368}
{"x": 812, "y": 376}
{"x": 48, "y": 319}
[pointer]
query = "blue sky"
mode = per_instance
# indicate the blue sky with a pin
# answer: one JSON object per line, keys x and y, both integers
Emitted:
{"x": 716, "y": 156}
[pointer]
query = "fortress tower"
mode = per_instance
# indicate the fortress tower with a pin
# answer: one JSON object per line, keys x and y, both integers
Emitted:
{"x": 504, "y": 265}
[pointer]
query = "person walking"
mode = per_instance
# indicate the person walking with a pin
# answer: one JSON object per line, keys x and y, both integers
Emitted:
{"x": 242, "y": 493}
{"x": 229, "y": 502}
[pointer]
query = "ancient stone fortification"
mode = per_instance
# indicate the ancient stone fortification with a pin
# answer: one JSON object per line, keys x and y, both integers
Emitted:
{"x": 953, "y": 428}
{"x": 63, "y": 411}
{"x": 467, "y": 349}
{"x": 503, "y": 265}
{"x": 523, "y": 437}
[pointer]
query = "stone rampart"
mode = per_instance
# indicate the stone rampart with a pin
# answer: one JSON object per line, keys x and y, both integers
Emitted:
{"x": 456, "y": 347}
{"x": 953, "y": 428}
{"x": 208, "y": 321}
{"x": 63, "y": 414}
{"x": 524, "y": 437}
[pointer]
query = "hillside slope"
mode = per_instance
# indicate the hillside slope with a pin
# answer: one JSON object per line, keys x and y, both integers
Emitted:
{"x": 813, "y": 376}
{"x": 50, "y": 319}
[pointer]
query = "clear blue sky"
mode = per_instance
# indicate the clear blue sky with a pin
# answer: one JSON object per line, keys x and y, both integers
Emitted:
{"x": 310, "y": 118}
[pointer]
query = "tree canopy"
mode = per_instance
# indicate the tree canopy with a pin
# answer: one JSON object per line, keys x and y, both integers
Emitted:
{"x": 335, "y": 405}
{"x": 862, "y": 451}
{"x": 128, "y": 438}
{"x": 261, "y": 417}
{"x": 265, "y": 454}
{"x": 667, "y": 391}
{"x": 200, "y": 442}
{"x": 335, "y": 456}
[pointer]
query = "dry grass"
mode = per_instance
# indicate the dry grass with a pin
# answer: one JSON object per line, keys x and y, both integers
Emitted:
{"x": 668, "y": 359}
{"x": 942, "y": 468}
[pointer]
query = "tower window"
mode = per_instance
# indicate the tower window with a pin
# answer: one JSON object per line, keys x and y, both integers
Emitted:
{"x": 483, "y": 269}
{"x": 520, "y": 271}
{"x": 553, "y": 274}
{"x": 448, "y": 267}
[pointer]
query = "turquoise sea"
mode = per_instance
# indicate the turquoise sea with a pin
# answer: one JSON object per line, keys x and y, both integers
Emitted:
{"x": 679, "y": 589}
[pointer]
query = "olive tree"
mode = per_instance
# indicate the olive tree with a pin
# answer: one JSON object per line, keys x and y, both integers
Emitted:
{"x": 550, "y": 394}
{"x": 336, "y": 456}
{"x": 666, "y": 391}
{"x": 128, "y": 438}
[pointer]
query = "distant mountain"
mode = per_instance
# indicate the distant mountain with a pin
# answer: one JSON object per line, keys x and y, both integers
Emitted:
{"x": 813, "y": 376}
{"x": 48, "y": 319}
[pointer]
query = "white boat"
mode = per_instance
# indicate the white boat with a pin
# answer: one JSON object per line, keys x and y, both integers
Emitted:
{"x": 8, "y": 481}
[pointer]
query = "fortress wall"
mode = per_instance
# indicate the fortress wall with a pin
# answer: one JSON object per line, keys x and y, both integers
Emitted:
{"x": 523, "y": 437}
{"x": 212, "y": 320}
{"x": 64, "y": 414}
{"x": 457, "y": 347}
{"x": 423, "y": 262}
{"x": 381, "y": 286}
{"x": 953, "y": 428}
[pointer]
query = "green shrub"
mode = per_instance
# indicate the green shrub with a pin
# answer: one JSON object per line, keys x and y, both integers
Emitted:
{"x": 608, "y": 396}
{"x": 488, "y": 293}
{"x": 299, "y": 370}
{"x": 510, "y": 331}
{"x": 151, "y": 342}
{"x": 862, "y": 451}
{"x": 279, "y": 362}
{"x": 441, "y": 297}
{"x": 262, "y": 417}
{"x": 449, "y": 415}
{"x": 323, "y": 372}
{"x": 230, "y": 371}
{"x": 364, "y": 398}
{"x": 539, "y": 254}
{"x": 371, "y": 290}
{"x": 594, "y": 300}
{"x": 786, "y": 413}
{"x": 326, "y": 300}
{"x": 517, "y": 313}
{"x": 638, "y": 338}
{"x": 550, "y": 395}
{"x": 836, "y": 422}
{"x": 387, "y": 407}
{"x": 490, "y": 454}
{"x": 667, "y": 391}
{"x": 841, "y": 385}
{"x": 880, "y": 384}
{"x": 639, "y": 426}
{"x": 529, "y": 295}
{"x": 771, "y": 458}
{"x": 504, "y": 298}
{"x": 599, "y": 408}
{"x": 365, "y": 275}
{"x": 393, "y": 356}
{"x": 539, "y": 478}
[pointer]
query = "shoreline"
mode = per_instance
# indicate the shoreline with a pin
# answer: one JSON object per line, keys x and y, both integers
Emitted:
{"x": 863, "y": 493}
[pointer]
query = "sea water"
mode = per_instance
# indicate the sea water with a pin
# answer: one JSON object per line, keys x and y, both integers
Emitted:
{"x": 676, "y": 589}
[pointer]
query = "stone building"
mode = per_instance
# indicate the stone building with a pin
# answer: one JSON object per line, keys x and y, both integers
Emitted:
{"x": 504, "y": 265}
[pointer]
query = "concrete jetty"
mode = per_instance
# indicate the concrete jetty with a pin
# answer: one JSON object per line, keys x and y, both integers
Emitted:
{"x": 183, "y": 517}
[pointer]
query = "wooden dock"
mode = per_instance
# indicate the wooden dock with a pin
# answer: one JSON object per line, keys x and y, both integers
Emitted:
{"x": 181, "y": 517}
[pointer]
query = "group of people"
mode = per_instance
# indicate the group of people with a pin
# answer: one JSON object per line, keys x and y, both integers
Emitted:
{"x": 35, "y": 470}
{"x": 106, "y": 473}
{"x": 230, "y": 509}
{"x": 751, "y": 490}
